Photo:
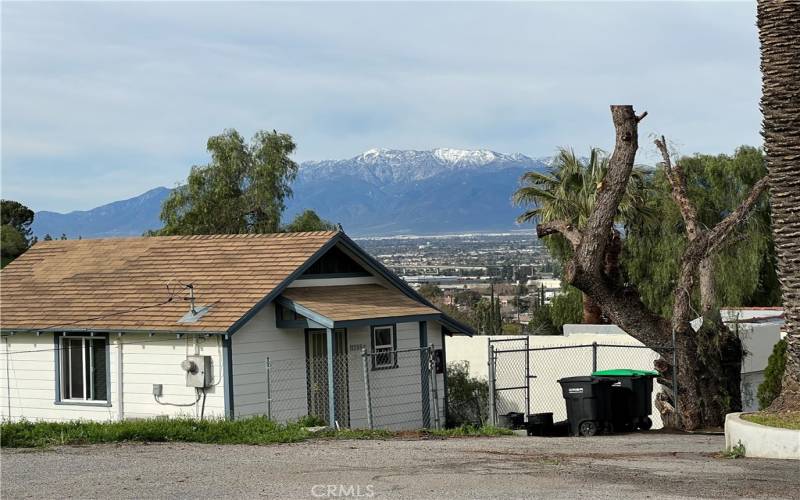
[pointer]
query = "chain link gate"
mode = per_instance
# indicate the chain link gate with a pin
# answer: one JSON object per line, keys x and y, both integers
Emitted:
{"x": 524, "y": 379}
{"x": 386, "y": 389}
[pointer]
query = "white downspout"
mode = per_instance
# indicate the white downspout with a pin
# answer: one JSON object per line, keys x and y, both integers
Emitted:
{"x": 120, "y": 404}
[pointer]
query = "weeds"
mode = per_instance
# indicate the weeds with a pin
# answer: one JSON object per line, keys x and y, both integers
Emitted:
{"x": 254, "y": 431}
{"x": 736, "y": 451}
{"x": 468, "y": 430}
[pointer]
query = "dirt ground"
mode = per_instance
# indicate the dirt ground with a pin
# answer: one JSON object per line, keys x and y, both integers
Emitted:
{"x": 622, "y": 466}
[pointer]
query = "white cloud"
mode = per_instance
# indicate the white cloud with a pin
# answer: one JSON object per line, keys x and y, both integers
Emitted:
{"x": 136, "y": 89}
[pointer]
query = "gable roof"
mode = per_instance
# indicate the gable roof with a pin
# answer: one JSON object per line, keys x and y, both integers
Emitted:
{"x": 349, "y": 303}
{"x": 135, "y": 284}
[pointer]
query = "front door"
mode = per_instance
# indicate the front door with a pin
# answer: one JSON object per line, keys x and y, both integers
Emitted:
{"x": 317, "y": 375}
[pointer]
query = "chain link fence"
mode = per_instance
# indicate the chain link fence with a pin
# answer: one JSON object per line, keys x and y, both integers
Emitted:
{"x": 525, "y": 380}
{"x": 386, "y": 389}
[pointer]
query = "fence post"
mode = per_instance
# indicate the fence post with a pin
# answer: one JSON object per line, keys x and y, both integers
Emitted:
{"x": 492, "y": 417}
{"x": 269, "y": 389}
{"x": 527, "y": 376}
{"x": 594, "y": 357}
{"x": 434, "y": 386}
{"x": 367, "y": 394}
{"x": 675, "y": 373}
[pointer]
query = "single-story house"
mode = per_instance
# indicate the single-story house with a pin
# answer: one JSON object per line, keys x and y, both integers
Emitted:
{"x": 112, "y": 329}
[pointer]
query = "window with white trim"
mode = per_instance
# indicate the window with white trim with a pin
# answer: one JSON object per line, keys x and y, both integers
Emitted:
{"x": 84, "y": 373}
{"x": 383, "y": 347}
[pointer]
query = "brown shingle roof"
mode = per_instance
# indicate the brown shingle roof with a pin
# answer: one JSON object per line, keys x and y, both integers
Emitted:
{"x": 354, "y": 302}
{"x": 122, "y": 284}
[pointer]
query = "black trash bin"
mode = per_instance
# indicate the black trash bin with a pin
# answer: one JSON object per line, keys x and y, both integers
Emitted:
{"x": 588, "y": 404}
{"x": 539, "y": 424}
{"x": 631, "y": 397}
{"x": 512, "y": 420}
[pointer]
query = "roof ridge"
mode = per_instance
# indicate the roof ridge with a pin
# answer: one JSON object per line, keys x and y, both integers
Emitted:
{"x": 194, "y": 237}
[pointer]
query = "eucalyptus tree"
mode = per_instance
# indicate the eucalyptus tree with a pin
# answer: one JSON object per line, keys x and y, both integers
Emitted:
{"x": 242, "y": 190}
{"x": 708, "y": 359}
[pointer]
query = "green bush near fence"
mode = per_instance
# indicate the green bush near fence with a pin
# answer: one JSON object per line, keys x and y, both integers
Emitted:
{"x": 771, "y": 386}
{"x": 253, "y": 431}
{"x": 467, "y": 397}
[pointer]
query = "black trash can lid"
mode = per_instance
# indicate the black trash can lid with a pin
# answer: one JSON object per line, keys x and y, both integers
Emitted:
{"x": 625, "y": 372}
{"x": 570, "y": 380}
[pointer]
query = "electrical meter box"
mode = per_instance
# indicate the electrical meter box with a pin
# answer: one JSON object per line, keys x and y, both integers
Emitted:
{"x": 198, "y": 371}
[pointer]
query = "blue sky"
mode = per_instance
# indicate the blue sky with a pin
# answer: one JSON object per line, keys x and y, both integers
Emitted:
{"x": 102, "y": 101}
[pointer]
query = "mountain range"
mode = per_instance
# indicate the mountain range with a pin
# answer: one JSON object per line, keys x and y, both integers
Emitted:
{"x": 379, "y": 192}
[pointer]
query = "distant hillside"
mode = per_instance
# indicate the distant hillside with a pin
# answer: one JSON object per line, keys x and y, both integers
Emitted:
{"x": 129, "y": 217}
{"x": 380, "y": 192}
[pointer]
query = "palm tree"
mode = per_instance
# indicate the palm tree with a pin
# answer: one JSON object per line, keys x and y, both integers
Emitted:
{"x": 567, "y": 192}
{"x": 779, "y": 33}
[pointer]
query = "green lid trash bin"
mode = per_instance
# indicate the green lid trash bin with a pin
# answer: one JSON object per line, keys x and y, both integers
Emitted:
{"x": 631, "y": 397}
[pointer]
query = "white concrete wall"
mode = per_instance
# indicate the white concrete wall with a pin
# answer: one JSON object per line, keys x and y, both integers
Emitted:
{"x": 548, "y": 366}
{"x": 758, "y": 339}
{"x": 761, "y": 441}
{"x": 146, "y": 361}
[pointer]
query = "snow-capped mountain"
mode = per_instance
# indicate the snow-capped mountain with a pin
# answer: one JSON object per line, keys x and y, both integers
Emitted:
{"x": 381, "y": 166}
{"x": 379, "y": 192}
{"x": 387, "y": 191}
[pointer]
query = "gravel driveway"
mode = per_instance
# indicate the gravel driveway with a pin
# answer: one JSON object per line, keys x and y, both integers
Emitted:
{"x": 622, "y": 466}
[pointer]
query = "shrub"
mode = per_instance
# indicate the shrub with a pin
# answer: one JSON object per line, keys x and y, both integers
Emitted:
{"x": 771, "y": 386}
{"x": 467, "y": 397}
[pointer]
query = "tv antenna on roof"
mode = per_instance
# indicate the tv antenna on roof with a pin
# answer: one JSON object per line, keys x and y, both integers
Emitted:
{"x": 190, "y": 298}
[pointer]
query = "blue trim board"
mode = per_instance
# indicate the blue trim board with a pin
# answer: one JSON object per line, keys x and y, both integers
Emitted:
{"x": 424, "y": 369}
{"x": 444, "y": 375}
{"x": 331, "y": 387}
{"x": 57, "y": 354}
{"x": 385, "y": 321}
{"x": 227, "y": 370}
{"x": 304, "y": 311}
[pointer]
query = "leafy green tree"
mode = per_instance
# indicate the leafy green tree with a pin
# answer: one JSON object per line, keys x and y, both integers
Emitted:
{"x": 15, "y": 230}
{"x": 744, "y": 270}
{"x": 770, "y": 388}
{"x": 242, "y": 190}
{"x": 18, "y": 216}
{"x": 567, "y": 193}
{"x": 308, "y": 220}
{"x": 541, "y": 322}
{"x": 431, "y": 292}
{"x": 566, "y": 308}
{"x": 12, "y": 244}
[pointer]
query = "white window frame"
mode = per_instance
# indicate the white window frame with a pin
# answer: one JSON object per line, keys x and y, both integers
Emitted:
{"x": 378, "y": 349}
{"x": 88, "y": 377}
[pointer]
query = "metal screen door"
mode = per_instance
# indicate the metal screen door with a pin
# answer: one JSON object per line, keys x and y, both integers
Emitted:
{"x": 317, "y": 375}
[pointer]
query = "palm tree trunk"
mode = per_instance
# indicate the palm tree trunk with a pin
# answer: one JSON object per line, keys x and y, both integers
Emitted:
{"x": 779, "y": 33}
